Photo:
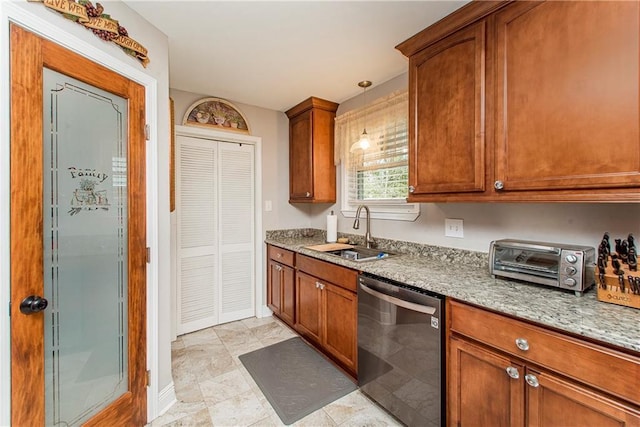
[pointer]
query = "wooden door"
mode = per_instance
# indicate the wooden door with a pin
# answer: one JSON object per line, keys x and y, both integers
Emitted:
{"x": 33, "y": 60}
{"x": 340, "y": 325}
{"x": 274, "y": 287}
{"x": 447, "y": 115}
{"x": 301, "y": 156}
{"x": 567, "y": 96}
{"x": 553, "y": 401}
{"x": 480, "y": 391}
{"x": 308, "y": 307}
{"x": 288, "y": 308}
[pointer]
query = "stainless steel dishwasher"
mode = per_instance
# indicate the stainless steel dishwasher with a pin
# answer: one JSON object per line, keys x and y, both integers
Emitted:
{"x": 400, "y": 350}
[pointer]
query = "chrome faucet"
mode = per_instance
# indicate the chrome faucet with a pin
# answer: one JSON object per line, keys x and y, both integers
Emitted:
{"x": 369, "y": 241}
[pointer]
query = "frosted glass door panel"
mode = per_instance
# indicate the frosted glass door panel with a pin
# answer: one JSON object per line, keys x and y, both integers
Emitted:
{"x": 85, "y": 248}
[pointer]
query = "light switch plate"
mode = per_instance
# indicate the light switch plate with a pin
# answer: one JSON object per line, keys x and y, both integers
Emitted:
{"x": 268, "y": 207}
{"x": 453, "y": 228}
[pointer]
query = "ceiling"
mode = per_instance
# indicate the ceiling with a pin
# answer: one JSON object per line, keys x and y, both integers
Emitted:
{"x": 274, "y": 54}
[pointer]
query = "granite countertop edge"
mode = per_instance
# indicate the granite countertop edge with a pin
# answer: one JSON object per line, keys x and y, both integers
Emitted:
{"x": 580, "y": 315}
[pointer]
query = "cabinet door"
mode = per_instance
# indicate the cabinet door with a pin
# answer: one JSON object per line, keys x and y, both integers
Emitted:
{"x": 480, "y": 390}
{"x": 446, "y": 112}
{"x": 274, "y": 288}
{"x": 553, "y": 401}
{"x": 308, "y": 306}
{"x": 567, "y": 95}
{"x": 287, "y": 312}
{"x": 301, "y": 156}
{"x": 340, "y": 325}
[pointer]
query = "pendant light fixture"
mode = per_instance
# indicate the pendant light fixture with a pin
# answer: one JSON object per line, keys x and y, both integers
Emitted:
{"x": 363, "y": 143}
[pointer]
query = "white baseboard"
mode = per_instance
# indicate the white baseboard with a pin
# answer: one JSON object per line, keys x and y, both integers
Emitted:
{"x": 166, "y": 398}
{"x": 264, "y": 312}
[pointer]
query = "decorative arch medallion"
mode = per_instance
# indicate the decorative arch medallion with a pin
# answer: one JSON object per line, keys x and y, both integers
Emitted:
{"x": 216, "y": 113}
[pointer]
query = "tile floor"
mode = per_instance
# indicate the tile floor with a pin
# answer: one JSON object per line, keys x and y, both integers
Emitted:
{"x": 214, "y": 389}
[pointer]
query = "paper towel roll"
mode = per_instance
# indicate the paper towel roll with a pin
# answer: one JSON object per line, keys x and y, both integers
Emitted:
{"x": 332, "y": 228}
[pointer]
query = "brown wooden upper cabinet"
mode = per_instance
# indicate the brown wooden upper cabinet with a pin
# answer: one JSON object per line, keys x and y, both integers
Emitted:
{"x": 526, "y": 101}
{"x": 312, "y": 173}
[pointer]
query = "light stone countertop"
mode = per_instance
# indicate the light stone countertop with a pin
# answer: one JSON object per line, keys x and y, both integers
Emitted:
{"x": 444, "y": 271}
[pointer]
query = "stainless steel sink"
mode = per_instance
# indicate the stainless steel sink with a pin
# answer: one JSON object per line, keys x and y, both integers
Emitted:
{"x": 359, "y": 253}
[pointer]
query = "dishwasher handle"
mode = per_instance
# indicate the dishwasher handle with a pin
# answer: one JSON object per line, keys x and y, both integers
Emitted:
{"x": 400, "y": 303}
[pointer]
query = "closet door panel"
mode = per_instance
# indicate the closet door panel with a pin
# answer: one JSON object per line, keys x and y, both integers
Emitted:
{"x": 237, "y": 231}
{"x": 197, "y": 237}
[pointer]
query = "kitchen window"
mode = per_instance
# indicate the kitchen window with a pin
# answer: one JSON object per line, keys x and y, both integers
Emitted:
{"x": 376, "y": 176}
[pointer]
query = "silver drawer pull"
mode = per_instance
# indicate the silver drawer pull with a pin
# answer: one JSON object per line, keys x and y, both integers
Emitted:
{"x": 532, "y": 380}
{"x": 319, "y": 286}
{"x": 522, "y": 344}
{"x": 513, "y": 372}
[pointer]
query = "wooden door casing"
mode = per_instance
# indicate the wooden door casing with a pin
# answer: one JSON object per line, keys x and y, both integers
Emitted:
{"x": 29, "y": 54}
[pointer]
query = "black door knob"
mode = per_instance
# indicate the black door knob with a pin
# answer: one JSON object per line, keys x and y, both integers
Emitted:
{"x": 33, "y": 304}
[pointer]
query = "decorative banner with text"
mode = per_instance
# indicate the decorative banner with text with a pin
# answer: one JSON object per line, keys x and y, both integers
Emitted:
{"x": 102, "y": 25}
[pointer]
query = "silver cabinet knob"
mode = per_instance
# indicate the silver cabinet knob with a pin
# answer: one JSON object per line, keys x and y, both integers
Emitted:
{"x": 498, "y": 185}
{"x": 307, "y": 194}
{"x": 522, "y": 344}
{"x": 412, "y": 189}
{"x": 318, "y": 284}
{"x": 513, "y": 372}
{"x": 532, "y": 380}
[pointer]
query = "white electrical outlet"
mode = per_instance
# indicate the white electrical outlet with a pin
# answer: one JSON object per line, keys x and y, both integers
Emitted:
{"x": 453, "y": 228}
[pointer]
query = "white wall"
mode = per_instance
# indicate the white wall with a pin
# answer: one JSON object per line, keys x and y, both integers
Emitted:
{"x": 156, "y": 78}
{"x": 579, "y": 223}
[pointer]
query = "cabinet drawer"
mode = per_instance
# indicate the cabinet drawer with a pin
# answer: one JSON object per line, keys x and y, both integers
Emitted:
{"x": 600, "y": 367}
{"x": 341, "y": 276}
{"x": 283, "y": 256}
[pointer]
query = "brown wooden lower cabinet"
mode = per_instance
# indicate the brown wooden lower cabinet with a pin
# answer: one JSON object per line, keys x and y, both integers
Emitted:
{"x": 480, "y": 393}
{"x": 559, "y": 402}
{"x": 488, "y": 386}
{"x": 281, "y": 283}
{"x": 326, "y": 311}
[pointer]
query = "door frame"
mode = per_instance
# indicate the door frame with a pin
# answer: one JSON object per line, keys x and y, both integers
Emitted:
{"x": 16, "y": 13}
{"x": 237, "y": 138}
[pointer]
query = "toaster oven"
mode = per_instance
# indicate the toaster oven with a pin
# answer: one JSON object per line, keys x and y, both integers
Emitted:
{"x": 559, "y": 265}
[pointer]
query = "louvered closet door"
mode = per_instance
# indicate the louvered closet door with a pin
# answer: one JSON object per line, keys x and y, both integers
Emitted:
{"x": 237, "y": 231}
{"x": 197, "y": 237}
{"x": 216, "y": 229}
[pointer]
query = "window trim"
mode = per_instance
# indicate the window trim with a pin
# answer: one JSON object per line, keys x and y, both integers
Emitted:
{"x": 398, "y": 210}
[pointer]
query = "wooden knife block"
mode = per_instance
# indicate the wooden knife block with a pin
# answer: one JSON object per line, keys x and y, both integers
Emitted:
{"x": 613, "y": 294}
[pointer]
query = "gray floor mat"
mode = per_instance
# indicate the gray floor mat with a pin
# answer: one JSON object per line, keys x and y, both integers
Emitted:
{"x": 295, "y": 378}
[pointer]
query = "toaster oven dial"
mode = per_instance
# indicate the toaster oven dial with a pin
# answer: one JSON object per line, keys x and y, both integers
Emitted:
{"x": 570, "y": 270}
{"x": 571, "y": 258}
{"x": 569, "y": 282}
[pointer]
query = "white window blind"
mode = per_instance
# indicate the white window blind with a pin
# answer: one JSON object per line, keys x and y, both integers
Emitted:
{"x": 378, "y": 175}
